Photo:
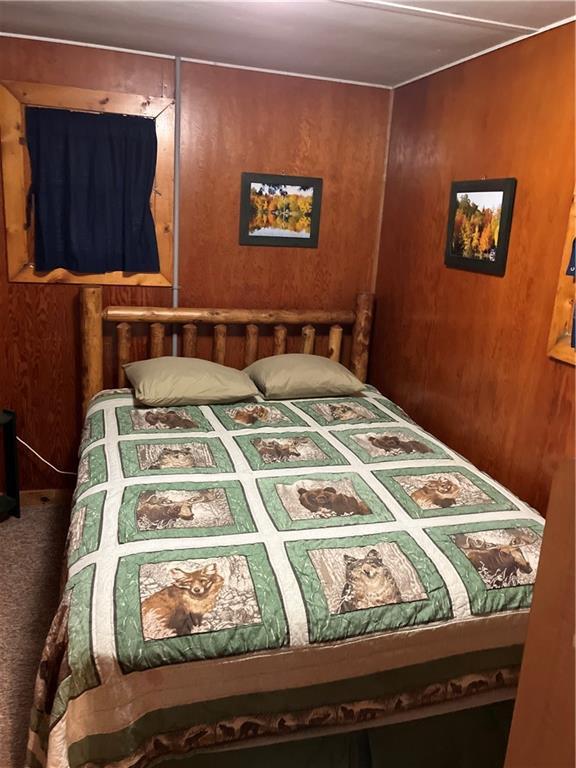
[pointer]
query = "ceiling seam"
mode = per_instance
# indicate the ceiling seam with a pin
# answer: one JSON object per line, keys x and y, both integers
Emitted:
{"x": 283, "y": 73}
{"x": 432, "y": 13}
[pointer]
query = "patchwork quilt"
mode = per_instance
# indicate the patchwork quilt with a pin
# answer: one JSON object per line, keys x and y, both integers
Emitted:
{"x": 252, "y": 570}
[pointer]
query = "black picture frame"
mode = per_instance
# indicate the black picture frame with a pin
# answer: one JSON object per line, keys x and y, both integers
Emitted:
{"x": 472, "y": 247}
{"x": 310, "y": 221}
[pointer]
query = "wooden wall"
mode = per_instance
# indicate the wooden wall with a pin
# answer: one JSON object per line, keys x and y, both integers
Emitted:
{"x": 465, "y": 354}
{"x": 232, "y": 121}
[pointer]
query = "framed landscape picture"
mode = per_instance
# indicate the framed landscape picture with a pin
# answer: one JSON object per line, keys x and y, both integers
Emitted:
{"x": 280, "y": 210}
{"x": 479, "y": 221}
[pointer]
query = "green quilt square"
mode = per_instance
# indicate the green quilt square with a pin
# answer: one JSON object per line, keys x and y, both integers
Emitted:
{"x": 197, "y": 455}
{"x": 347, "y": 410}
{"x": 497, "y": 561}
{"x": 200, "y": 603}
{"x": 364, "y": 584}
{"x": 85, "y": 526}
{"x": 175, "y": 510}
{"x": 277, "y": 450}
{"x": 321, "y": 500}
{"x": 92, "y": 470}
{"x": 256, "y": 415}
{"x": 93, "y": 430}
{"x": 438, "y": 491}
{"x": 189, "y": 418}
{"x": 379, "y": 444}
{"x": 75, "y": 614}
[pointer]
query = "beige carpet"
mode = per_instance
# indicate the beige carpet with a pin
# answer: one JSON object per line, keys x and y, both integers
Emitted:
{"x": 31, "y": 554}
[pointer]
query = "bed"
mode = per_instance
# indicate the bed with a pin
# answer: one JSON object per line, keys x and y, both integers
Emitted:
{"x": 244, "y": 573}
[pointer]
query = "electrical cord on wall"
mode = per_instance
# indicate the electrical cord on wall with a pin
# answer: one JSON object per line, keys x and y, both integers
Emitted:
{"x": 60, "y": 471}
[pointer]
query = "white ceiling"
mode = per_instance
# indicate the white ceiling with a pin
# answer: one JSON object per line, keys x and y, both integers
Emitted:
{"x": 367, "y": 41}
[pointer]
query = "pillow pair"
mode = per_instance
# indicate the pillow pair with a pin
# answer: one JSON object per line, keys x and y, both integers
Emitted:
{"x": 167, "y": 381}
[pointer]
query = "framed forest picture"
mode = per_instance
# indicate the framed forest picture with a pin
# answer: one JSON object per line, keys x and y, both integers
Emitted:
{"x": 479, "y": 222}
{"x": 280, "y": 210}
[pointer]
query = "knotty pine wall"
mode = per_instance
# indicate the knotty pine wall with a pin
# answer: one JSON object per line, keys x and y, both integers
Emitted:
{"x": 232, "y": 121}
{"x": 465, "y": 354}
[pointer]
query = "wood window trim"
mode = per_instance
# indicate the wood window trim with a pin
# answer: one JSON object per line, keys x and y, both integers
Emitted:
{"x": 563, "y": 316}
{"x": 15, "y": 96}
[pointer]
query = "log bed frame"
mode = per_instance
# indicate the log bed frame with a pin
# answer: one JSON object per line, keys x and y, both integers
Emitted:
{"x": 94, "y": 315}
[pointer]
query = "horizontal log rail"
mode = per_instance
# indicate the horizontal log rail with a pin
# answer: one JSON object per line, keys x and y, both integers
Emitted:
{"x": 227, "y": 316}
{"x": 94, "y": 315}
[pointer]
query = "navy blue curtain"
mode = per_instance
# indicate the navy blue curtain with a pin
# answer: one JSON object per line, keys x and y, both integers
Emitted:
{"x": 92, "y": 178}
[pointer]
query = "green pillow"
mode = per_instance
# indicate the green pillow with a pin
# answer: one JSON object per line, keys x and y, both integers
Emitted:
{"x": 187, "y": 381}
{"x": 284, "y": 377}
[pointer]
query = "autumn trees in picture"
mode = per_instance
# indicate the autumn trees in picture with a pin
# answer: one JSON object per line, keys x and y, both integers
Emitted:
{"x": 280, "y": 210}
{"x": 479, "y": 225}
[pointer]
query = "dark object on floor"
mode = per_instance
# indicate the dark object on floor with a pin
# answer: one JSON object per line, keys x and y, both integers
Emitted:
{"x": 10, "y": 501}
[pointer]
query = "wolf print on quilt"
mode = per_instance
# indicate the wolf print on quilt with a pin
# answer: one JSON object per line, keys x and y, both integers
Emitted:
{"x": 366, "y": 577}
{"x": 269, "y": 541}
{"x": 353, "y": 584}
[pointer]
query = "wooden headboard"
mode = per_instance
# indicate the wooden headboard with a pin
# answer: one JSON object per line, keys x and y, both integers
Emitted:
{"x": 188, "y": 320}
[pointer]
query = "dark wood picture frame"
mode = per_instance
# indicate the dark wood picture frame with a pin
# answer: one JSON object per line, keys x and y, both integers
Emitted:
{"x": 493, "y": 262}
{"x": 271, "y": 180}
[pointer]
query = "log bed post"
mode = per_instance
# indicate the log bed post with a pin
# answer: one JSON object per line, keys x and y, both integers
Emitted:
{"x": 361, "y": 335}
{"x": 124, "y": 340}
{"x": 92, "y": 344}
{"x": 251, "y": 345}
{"x": 94, "y": 315}
{"x": 335, "y": 343}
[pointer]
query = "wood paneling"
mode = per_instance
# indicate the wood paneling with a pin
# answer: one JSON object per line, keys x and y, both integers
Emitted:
{"x": 232, "y": 121}
{"x": 39, "y": 325}
{"x": 466, "y": 354}
{"x": 236, "y": 121}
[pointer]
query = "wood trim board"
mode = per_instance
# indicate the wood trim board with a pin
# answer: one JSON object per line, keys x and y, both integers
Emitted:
{"x": 14, "y": 97}
{"x": 559, "y": 346}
